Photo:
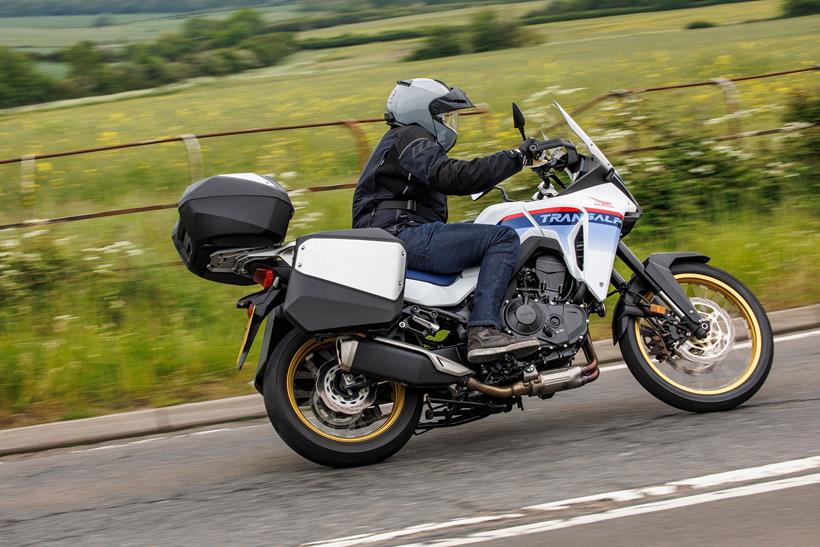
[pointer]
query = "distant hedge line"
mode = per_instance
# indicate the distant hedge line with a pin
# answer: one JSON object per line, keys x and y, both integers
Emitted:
{"x": 204, "y": 47}
{"x": 567, "y": 10}
{"x": 17, "y": 8}
{"x": 357, "y": 39}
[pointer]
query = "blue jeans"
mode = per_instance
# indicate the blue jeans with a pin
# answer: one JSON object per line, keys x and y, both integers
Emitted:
{"x": 450, "y": 248}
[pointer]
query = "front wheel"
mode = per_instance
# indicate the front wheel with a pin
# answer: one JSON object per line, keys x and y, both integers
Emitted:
{"x": 719, "y": 372}
{"x": 334, "y": 419}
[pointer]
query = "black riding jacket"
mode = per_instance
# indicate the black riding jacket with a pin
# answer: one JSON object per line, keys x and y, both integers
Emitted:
{"x": 408, "y": 177}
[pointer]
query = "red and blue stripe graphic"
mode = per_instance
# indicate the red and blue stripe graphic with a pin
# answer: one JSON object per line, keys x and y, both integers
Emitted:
{"x": 562, "y": 216}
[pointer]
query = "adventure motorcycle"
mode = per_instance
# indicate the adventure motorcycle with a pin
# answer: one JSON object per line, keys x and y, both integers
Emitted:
{"x": 360, "y": 353}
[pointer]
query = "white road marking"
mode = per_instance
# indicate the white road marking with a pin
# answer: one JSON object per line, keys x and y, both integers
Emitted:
{"x": 632, "y": 510}
{"x": 608, "y": 368}
{"x": 797, "y": 336}
{"x": 752, "y": 473}
{"x": 706, "y": 481}
{"x": 220, "y": 430}
{"x": 429, "y": 527}
{"x": 152, "y": 439}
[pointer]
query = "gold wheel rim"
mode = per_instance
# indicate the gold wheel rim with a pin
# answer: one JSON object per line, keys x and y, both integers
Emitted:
{"x": 748, "y": 315}
{"x": 306, "y": 349}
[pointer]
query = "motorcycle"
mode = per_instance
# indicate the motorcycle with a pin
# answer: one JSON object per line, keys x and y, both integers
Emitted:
{"x": 360, "y": 353}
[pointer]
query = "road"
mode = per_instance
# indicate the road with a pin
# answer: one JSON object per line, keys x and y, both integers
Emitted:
{"x": 484, "y": 483}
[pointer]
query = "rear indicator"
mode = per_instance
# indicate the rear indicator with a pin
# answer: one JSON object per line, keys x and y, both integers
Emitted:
{"x": 264, "y": 277}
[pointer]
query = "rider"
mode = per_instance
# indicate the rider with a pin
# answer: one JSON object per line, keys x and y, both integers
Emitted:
{"x": 404, "y": 187}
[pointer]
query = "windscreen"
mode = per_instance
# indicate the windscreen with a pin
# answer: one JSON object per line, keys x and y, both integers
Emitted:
{"x": 593, "y": 149}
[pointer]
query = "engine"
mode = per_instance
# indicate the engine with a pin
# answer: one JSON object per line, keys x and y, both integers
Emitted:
{"x": 542, "y": 308}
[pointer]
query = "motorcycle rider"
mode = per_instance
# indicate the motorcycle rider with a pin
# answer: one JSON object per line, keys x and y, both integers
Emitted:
{"x": 404, "y": 187}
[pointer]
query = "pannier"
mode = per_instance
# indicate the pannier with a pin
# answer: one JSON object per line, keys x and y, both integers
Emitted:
{"x": 223, "y": 212}
{"x": 346, "y": 280}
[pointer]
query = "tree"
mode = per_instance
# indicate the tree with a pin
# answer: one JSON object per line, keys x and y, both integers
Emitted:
{"x": 200, "y": 30}
{"x": 173, "y": 46}
{"x": 21, "y": 83}
{"x": 240, "y": 26}
{"x": 484, "y": 33}
{"x": 270, "y": 49}
{"x": 440, "y": 42}
{"x": 487, "y": 33}
{"x": 154, "y": 70}
{"x": 796, "y": 8}
{"x": 84, "y": 58}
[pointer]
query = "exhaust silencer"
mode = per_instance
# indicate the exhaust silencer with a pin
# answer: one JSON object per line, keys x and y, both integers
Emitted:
{"x": 387, "y": 359}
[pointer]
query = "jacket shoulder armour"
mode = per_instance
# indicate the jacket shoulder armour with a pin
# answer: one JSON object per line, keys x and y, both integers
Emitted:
{"x": 408, "y": 134}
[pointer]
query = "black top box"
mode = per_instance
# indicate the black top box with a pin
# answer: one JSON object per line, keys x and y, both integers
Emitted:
{"x": 224, "y": 212}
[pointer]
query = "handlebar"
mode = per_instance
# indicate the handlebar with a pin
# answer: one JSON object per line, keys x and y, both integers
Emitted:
{"x": 571, "y": 159}
{"x": 551, "y": 144}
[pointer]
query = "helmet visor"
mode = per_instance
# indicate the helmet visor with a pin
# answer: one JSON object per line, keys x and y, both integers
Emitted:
{"x": 450, "y": 119}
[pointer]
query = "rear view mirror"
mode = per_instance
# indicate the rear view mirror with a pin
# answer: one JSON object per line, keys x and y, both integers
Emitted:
{"x": 518, "y": 120}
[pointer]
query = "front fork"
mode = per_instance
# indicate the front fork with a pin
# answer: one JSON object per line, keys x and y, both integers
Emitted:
{"x": 654, "y": 276}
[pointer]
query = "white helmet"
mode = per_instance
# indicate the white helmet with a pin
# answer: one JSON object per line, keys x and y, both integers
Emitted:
{"x": 428, "y": 103}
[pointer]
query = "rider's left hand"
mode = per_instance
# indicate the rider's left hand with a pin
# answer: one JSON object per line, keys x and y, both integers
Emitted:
{"x": 539, "y": 161}
{"x": 524, "y": 150}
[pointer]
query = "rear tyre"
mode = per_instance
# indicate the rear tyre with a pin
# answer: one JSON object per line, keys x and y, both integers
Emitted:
{"x": 720, "y": 372}
{"x": 327, "y": 423}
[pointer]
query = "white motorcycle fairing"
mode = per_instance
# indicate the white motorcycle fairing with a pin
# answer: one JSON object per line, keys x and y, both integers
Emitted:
{"x": 588, "y": 219}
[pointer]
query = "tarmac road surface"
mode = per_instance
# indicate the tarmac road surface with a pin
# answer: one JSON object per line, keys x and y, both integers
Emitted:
{"x": 645, "y": 473}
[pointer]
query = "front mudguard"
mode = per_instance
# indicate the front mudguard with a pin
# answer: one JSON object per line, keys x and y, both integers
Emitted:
{"x": 657, "y": 267}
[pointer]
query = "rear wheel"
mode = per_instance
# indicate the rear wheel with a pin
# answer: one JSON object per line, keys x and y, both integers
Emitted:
{"x": 719, "y": 372}
{"x": 330, "y": 418}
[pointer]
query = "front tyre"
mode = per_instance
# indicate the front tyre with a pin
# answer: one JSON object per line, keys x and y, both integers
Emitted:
{"x": 327, "y": 419}
{"x": 719, "y": 372}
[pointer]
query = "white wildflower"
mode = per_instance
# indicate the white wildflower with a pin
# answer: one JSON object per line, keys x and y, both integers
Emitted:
{"x": 33, "y": 233}
{"x": 569, "y": 91}
{"x": 707, "y": 169}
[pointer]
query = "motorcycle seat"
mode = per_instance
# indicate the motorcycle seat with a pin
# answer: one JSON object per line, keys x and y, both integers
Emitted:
{"x": 443, "y": 280}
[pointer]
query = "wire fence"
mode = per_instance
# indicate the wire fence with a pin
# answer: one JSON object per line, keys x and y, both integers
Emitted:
{"x": 194, "y": 154}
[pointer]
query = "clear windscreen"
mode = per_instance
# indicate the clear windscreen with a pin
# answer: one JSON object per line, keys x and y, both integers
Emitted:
{"x": 584, "y": 138}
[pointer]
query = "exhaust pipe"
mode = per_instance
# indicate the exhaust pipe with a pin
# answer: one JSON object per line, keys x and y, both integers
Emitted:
{"x": 548, "y": 382}
{"x": 396, "y": 361}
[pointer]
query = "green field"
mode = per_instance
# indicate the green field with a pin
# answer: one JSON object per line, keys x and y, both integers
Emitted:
{"x": 100, "y": 323}
{"x": 48, "y": 33}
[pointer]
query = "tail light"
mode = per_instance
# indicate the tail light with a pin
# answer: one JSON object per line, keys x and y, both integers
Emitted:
{"x": 264, "y": 277}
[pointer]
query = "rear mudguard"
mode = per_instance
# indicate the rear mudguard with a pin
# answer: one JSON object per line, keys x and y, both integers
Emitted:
{"x": 275, "y": 329}
{"x": 657, "y": 267}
